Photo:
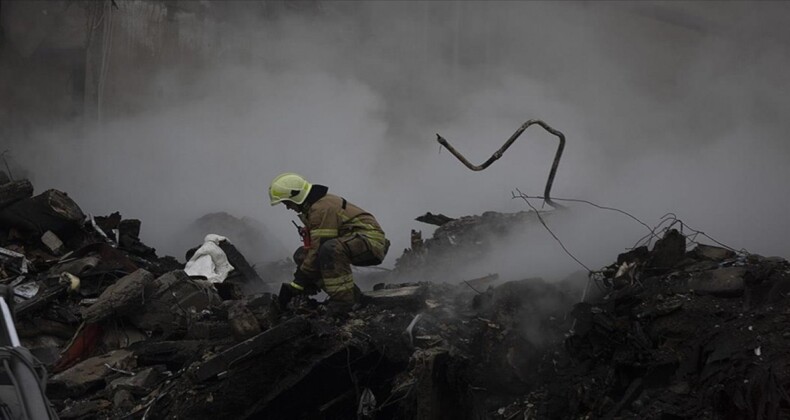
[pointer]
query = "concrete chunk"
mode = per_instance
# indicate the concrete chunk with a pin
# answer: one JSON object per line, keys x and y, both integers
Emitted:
{"x": 723, "y": 281}
{"x": 140, "y": 384}
{"x": 52, "y": 242}
{"x": 714, "y": 253}
{"x": 409, "y": 296}
{"x": 119, "y": 298}
{"x": 88, "y": 374}
{"x": 668, "y": 251}
{"x": 243, "y": 323}
{"x": 123, "y": 400}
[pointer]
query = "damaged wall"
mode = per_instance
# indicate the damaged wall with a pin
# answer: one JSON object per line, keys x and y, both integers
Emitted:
{"x": 667, "y": 107}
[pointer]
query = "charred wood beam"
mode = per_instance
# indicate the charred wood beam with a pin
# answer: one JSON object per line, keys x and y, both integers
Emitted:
{"x": 259, "y": 344}
{"x": 508, "y": 143}
{"x": 174, "y": 354}
{"x": 630, "y": 394}
{"x": 51, "y": 210}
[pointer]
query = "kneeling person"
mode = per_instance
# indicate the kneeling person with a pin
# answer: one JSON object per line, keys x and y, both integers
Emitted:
{"x": 340, "y": 235}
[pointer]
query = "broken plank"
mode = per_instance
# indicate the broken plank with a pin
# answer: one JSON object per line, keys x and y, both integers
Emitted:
{"x": 261, "y": 343}
{"x": 174, "y": 354}
{"x": 434, "y": 219}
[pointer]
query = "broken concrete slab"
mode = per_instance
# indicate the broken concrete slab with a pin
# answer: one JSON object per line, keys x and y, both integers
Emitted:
{"x": 404, "y": 297}
{"x": 14, "y": 191}
{"x": 89, "y": 374}
{"x": 140, "y": 384}
{"x": 127, "y": 294}
{"x": 714, "y": 253}
{"x": 726, "y": 281}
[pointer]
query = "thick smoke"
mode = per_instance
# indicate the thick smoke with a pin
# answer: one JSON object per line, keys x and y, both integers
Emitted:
{"x": 667, "y": 107}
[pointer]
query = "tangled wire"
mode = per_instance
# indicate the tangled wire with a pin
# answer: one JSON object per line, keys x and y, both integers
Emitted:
{"x": 667, "y": 222}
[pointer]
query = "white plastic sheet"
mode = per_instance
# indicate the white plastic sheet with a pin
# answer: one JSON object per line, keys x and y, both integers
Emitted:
{"x": 210, "y": 261}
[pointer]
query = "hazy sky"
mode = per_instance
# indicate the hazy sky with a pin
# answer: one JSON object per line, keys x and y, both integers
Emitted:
{"x": 667, "y": 107}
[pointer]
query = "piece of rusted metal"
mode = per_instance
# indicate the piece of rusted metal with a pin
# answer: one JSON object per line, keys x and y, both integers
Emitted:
{"x": 508, "y": 143}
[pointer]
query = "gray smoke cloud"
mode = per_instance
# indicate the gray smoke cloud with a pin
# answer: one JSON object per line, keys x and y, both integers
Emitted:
{"x": 667, "y": 107}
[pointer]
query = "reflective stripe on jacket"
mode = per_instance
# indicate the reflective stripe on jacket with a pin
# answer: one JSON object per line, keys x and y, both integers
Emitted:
{"x": 334, "y": 217}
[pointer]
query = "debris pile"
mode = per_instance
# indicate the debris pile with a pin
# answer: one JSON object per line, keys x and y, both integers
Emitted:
{"x": 417, "y": 350}
{"x": 467, "y": 238}
{"x": 672, "y": 333}
{"x": 677, "y": 335}
{"x": 89, "y": 299}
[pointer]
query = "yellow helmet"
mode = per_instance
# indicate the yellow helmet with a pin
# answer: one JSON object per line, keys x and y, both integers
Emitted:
{"x": 289, "y": 187}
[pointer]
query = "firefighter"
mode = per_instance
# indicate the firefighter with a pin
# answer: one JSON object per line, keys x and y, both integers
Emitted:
{"x": 337, "y": 234}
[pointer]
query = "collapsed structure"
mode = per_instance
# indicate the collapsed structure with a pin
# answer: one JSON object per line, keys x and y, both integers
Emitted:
{"x": 671, "y": 333}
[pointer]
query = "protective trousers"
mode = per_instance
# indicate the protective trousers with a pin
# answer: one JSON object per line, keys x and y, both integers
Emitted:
{"x": 335, "y": 257}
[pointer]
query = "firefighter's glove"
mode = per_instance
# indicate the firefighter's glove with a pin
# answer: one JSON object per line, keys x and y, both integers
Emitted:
{"x": 304, "y": 283}
{"x": 288, "y": 291}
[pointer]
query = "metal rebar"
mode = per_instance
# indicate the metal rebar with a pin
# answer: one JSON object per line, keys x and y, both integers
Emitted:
{"x": 508, "y": 143}
{"x": 8, "y": 169}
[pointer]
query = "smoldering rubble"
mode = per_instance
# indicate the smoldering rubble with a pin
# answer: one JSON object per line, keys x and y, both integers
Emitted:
{"x": 673, "y": 330}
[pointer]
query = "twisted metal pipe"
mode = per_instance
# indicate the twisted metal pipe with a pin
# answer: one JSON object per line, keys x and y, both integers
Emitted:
{"x": 508, "y": 143}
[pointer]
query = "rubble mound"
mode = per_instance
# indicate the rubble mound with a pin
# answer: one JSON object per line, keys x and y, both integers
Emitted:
{"x": 467, "y": 239}
{"x": 670, "y": 333}
{"x": 677, "y": 335}
{"x": 418, "y": 350}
